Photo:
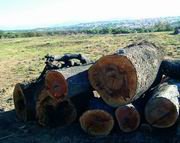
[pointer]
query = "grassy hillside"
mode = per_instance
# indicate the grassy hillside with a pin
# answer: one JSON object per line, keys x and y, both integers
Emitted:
{"x": 22, "y": 58}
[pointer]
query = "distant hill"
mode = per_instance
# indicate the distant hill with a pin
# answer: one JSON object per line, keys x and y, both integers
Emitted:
{"x": 142, "y": 23}
{"x": 100, "y": 27}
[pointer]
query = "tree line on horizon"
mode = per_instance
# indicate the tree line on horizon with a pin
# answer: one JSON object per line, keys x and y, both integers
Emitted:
{"x": 158, "y": 27}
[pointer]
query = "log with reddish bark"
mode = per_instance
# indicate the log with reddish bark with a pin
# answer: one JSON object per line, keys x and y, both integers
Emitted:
{"x": 162, "y": 110}
{"x": 124, "y": 76}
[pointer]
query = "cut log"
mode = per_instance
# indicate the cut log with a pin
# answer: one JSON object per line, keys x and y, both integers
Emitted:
{"x": 162, "y": 110}
{"x": 96, "y": 122}
{"x": 25, "y": 96}
{"x": 53, "y": 113}
{"x": 20, "y": 102}
{"x": 68, "y": 81}
{"x": 124, "y": 76}
{"x": 128, "y": 118}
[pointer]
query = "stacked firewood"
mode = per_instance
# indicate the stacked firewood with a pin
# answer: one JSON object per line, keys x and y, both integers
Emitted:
{"x": 134, "y": 85}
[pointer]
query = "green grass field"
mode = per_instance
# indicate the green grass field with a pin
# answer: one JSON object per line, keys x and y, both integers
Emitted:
{"x": 22, "y": 58}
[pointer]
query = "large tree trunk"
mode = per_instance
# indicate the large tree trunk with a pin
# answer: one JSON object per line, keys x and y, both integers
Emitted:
{"x": 124, "y": 76}
{"x": 162, "y": 110}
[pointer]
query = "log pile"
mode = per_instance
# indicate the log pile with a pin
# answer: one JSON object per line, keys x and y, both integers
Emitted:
{"x": 134, "y": 86}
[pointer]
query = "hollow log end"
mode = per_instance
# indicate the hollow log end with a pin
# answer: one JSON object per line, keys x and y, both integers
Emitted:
{"x": 114, "y": 78}
{"x": 96, "y": 122}
{"x": 161, "y": 113}
{"x": 20, "y": 102}
{"x": 56, "y": 84}
{"x": 128, "y": 118}
{"x": 52, "y": 112}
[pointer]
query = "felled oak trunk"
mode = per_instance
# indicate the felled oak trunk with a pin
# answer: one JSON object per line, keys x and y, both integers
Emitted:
{"x": 128, "y": 118}
{"x": 162, "y": 110}
{"x": 123, "y": 77}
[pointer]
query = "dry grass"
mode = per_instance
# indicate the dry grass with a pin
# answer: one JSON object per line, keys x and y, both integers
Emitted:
{"x": 22, "y": 58}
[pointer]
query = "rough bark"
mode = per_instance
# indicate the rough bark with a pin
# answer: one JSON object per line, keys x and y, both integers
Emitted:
{"x": 124, "y": 76}
{"x": 128, "y": 118}
{"x": 162, "y": 110}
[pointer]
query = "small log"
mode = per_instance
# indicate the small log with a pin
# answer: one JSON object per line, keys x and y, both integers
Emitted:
{"x": 162, "y": 110}
{"x": 97, "y": 122}
{"x": 128, "y": 118}
{"x": 124, "y": 76}
{"x": 68, "y": 81}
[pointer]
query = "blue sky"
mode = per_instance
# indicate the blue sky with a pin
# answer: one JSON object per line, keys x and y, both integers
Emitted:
{"x": 17, "y": 14}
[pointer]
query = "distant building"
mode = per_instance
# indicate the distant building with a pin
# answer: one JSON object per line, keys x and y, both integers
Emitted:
{"x": 177, "y": 30}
